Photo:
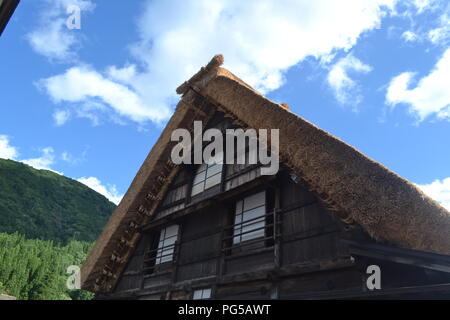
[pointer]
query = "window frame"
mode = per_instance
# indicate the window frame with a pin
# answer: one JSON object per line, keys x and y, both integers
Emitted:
{"x": 239, "y": 232}
{"x": 203, "y": 181}
{"x": 202, "y": 293}
{"x": 166, "y": 250}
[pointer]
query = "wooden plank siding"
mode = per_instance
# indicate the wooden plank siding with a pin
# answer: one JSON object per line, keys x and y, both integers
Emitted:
{"x": 306, "y": 235}
{"x": 310, "y": 232}
{"x": 201, "y": 243}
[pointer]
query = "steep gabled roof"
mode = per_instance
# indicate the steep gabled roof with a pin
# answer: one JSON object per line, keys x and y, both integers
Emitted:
{"x": 387, "y": 206}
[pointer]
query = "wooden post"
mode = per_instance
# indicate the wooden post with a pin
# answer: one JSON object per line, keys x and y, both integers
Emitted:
{"x": 221, "y": 260}
{"x": 277, "y": 228}
{"x": 176, "y": 254}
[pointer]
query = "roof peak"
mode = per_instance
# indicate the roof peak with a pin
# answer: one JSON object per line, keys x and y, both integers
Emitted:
{"x": 215, "y": 63}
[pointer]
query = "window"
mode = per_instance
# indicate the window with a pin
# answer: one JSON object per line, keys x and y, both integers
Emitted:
{"x": 202, "y": 294}
{"x": 249, "y": 219}
{"x": 207, "y": 176}
{"x": 166, "y": 244}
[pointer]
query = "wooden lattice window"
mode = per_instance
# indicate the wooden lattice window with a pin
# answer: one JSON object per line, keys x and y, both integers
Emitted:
{"x": 166, "y": 244}
{"x": 202, "y": 294}
{"x": 207, "y": 176}
{"x": 249, "y": 221}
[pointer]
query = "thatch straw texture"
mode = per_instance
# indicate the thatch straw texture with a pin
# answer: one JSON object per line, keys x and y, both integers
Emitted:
{"x": 387, "y": 206}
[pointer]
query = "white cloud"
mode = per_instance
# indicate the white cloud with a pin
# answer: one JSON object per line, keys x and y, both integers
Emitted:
{"x": 427, "y": 5}
{"x": 74, "y": 160}
{"x": 52, "y": 38}
{"x": 436, "y": 15}
{"x": 441, "y": 34}
{"x": 61, "y": 117}
{"x": 409, "y": 36}
{"x": 44, "y": 161}
{"x": 431, "y": 96}
{"x": 259, "y": 39}
{"x": 439, "y": 190}
{"x": 110, "y": 191}
{"x": 47, "y": 159}
{"x": 85, "y": 86}
{"x": 346, "y": 90}
{"x": 6, "y": 150}
{"x": 411, "y": 8}
{"x": 124, "y": 74}
{"x": 67, "y": 157}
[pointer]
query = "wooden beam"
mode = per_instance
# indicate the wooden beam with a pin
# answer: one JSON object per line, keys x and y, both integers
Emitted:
{"x": 358, "y": 293}
{"x": 207, "y": 203}
{"x": 416, "y": 258}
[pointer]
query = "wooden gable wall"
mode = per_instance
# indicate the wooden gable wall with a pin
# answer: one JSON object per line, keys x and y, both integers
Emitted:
{"x": 306, "y": 234}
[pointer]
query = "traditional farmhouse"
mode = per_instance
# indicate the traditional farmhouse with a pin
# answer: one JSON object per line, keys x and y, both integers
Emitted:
{"x": 331, "y": 223}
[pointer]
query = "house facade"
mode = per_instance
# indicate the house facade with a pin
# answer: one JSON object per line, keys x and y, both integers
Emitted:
{"x": 330, "y": 224}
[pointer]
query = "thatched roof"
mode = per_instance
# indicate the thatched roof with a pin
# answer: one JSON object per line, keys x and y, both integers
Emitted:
{"x": 387, "y": 206}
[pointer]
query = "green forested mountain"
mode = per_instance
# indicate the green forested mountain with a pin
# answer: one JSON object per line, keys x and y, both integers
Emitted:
{"x": 37, "y": 269}
{"x": 47, "y": 223}
{"x": 41, "y": 204}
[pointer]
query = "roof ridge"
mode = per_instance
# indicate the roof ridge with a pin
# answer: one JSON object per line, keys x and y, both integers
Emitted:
{"x": 215, "y": 62}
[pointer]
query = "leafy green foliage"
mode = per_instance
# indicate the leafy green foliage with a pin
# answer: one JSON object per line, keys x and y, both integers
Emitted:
{"x": 36, "y": 269}
{"x": 47, "y": 223}
{"x": 41, "y": 204}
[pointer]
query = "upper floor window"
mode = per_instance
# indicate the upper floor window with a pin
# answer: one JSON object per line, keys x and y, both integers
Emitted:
{"x": 202, "y": 294}
{"x": 249, "y": 222}
{"x": 166, "y": 244}
{"x": 207, "y": 176}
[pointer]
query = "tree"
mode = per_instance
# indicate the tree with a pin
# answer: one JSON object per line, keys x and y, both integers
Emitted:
{"x": 36, "y": 269}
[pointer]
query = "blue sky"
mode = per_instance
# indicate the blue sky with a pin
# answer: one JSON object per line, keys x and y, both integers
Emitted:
{"x": 90, "y": 103}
